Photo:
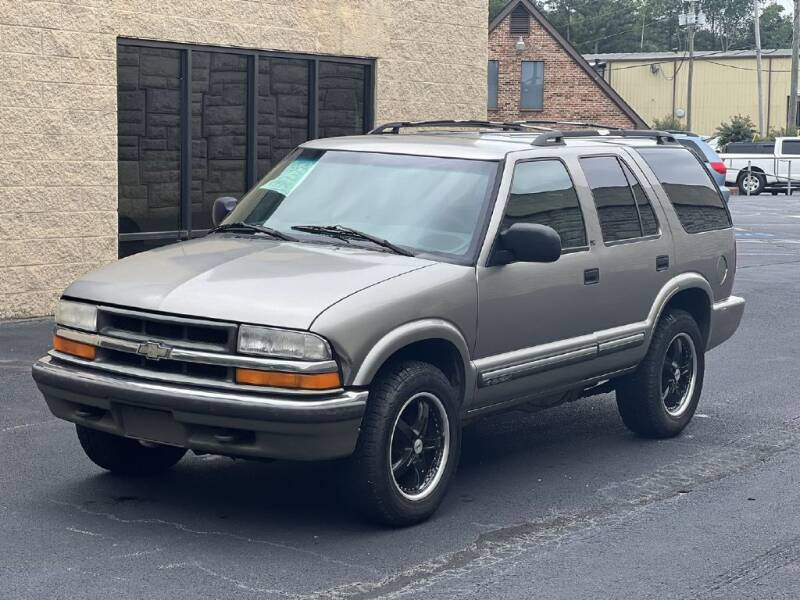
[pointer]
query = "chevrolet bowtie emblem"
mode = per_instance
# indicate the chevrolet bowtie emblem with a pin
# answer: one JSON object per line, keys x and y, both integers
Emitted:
{"x": 154, "y": 350}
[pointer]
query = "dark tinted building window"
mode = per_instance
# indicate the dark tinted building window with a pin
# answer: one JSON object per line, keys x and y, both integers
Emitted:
{"x": 189, "y": 135}
{"x": 219, "y": 131}
{"x": 646, "y": 214}
{"x": 694, "y": 195}
{"x": 542, "y": 192}
{"x": 616, "y": 207}
{"x": 492, "y": 83}
{"x": 532, "y": 84}
{"x": 342, "y": 89}
{"x": 149, "y": 143}
{"x": 282, "y": 101}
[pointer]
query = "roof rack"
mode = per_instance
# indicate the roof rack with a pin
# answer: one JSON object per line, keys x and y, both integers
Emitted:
{"x": 556, "y": 138}
{"x": 574, "y": 123}
{"x": 397, "y": 126}
{"x": 679, "y": 132}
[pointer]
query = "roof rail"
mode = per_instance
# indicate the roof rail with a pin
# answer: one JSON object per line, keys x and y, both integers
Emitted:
{"x": 397, "y": 126}
{"x": 679, "y": 132}
{"x": 574, "y": 123}
{"x": 556, "y": 138}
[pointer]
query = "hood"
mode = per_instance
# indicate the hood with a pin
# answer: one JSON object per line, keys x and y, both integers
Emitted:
{"x": 243, "y": 279}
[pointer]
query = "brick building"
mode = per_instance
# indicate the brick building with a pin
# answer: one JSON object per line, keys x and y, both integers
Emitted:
{"x": 535, "y": 74}
{"x": 122, "y": 120}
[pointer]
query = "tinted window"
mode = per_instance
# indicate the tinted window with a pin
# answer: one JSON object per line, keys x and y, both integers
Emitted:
{"x": 342, "y": 93}
{"x": 532, "y": 83}
{"x": 542, "y": 192}
{"x": 492, "y": 74}
{"x": 149, "y": 127}
{"x": 693, "y": 193}
{"x": 613, "y": 197}
{"x": 792, "y": 147}
{"x": 219, "y": 131}
{"x": 282, "y": 100}
{"x": 646, "y": 214}
{"x": 747, "y": 148}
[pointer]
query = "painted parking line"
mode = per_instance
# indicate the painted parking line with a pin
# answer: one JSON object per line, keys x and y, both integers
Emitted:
{"x": 754, "y": 234}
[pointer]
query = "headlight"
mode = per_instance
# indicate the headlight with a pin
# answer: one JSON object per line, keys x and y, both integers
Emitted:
{"x": 76, "y": 315}
{"x": 282, "y": 343}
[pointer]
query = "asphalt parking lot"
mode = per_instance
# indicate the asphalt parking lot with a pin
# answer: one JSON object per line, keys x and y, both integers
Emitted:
{"x": 559, "y": 504}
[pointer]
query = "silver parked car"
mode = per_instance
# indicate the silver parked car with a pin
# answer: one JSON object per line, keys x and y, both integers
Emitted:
{"x": 373, "y": 293}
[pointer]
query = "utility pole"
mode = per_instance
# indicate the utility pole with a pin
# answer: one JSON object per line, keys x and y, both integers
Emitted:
{"x": 691, "y": 22}
{"x": 757, "y": 29}
{"x": 792, "y": 124}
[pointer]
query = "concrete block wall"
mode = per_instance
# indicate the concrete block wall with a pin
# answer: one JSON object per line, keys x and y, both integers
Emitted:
{"x": 58, "y": 103}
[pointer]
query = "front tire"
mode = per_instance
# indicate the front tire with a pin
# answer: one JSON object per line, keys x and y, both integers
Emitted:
{"x": 660, "y": 398}
{"x": 409, "y": 445}
{"x": 126, "y": 456}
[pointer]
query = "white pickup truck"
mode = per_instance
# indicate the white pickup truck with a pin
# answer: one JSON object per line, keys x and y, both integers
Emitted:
{"x": 755, "y": 167}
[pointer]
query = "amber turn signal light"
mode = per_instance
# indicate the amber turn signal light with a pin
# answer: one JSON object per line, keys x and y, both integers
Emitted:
{"x": 298, "y": 381}
{"x": 74, "y": 348}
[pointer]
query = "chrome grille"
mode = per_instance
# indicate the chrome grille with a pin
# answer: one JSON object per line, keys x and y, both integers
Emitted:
{"x": 178, "y": 350}
{"x": 173, "y": 332}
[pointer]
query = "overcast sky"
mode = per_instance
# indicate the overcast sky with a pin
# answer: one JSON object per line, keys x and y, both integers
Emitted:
{"x": 787, "y": 4}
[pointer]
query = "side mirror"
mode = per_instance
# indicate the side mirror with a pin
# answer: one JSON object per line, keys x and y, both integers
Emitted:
{"x": 529, "y": 242}
{"x": 222, "y": 208}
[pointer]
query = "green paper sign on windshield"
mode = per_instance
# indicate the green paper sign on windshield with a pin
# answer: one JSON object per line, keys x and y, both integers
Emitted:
{"x": 291, "y": 176}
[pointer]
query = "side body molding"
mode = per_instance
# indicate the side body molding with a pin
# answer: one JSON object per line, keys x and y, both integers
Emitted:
{"x": 500, "y": 368}
{"x": 416, "y": 331}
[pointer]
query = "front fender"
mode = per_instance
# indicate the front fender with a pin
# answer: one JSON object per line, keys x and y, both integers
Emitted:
{"x": 409, "y": 333}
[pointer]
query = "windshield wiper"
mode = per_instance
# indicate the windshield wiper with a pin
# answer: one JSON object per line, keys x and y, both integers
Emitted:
{"x": 343, "y": 233}
{"x": 241, "y": 226}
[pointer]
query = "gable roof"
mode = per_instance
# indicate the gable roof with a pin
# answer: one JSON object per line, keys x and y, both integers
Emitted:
{"x": 573, "y": 53}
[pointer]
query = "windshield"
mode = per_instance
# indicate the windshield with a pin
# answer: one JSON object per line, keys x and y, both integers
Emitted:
{"x": 426, "y": 204}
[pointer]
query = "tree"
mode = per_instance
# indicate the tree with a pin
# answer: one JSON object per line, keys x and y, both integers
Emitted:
{"x": 776, "y": 27}
{"x": 652, "y": 25}
{"x": 495, "y": 6}
{"x": 669, "y": 123}
{"x": 738, "y": 129}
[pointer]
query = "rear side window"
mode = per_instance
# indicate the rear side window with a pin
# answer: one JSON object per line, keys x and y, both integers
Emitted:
{"x": 646, "y": 214}
{"x": 791, "y": 147}
{"x": 694, "y": 195}
{"x": 614, "y": 198}
{"x": 542, "y": 192}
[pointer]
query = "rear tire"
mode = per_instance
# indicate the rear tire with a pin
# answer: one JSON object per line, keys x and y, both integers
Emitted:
{"x": 660, "y": 398}
{"x": 409, "y": 445}
{"x": 754, "y": 181}
{"x": 126, "y": 456}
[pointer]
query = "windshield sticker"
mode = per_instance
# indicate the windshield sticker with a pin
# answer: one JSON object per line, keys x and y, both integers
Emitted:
{"x": 291, "y": 177}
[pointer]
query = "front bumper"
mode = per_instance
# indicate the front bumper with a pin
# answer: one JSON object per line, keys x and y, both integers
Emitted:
{"x": 205, "y": 420}
{"x": 725, "y": 318}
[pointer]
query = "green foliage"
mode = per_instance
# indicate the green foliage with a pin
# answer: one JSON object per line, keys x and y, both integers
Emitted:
{"x": 668, "y": 123}
{"x": 774, "y": 133}
{"x": 652, "y": 25}
{"x": 739, "y": 129}
{"x": 495, "y": 6}
{"x": 776, "y": 28}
